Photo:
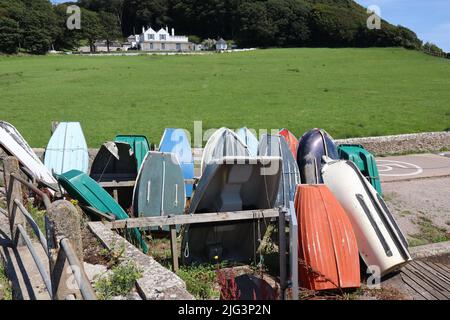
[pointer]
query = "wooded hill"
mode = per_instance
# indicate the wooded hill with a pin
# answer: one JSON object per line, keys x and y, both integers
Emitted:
{"x": 37, "y": 25}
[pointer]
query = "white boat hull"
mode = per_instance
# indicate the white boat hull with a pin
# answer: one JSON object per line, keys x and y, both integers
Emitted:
{"x": 380, "y": 242}
{"x": 15, "y": 144}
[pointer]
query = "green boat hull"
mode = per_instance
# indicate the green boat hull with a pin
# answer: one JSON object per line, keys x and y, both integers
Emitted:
{"x": 89, "y": 193}
{"x": 365, "y": 162}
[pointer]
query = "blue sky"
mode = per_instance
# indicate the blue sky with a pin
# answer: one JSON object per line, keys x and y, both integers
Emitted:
{"x": 430, "y": 19}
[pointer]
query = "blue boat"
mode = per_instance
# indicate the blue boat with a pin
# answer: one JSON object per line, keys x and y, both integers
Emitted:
{"x": 67, "y": 149}
{"x": 249, "y": 138}
{"x": 177, "y": 142}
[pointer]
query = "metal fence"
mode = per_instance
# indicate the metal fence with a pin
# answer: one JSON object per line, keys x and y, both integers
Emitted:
{"x": 18, "y": 218}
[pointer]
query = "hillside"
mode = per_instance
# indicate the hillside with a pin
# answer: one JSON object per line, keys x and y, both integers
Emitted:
{"x": 35, "y": 26}
{"x": 349, "y": 92}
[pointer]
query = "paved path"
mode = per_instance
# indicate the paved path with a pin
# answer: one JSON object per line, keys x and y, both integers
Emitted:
{"x": 410, "y": 167}
{"x": 22, "y": 271}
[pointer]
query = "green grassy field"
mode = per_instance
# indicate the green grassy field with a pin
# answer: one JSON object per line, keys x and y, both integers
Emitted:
{"x": 349, "y": 92}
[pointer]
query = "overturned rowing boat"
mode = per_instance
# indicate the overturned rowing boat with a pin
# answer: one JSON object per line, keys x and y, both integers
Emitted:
{"x": 227, "y": 185}
{"x": 13, "y": 143}
{"x": 381, "y": 243}
{"x": 328, "y": 251}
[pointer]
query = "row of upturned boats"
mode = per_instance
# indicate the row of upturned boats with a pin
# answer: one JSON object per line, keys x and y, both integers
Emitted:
{"x": 336, "y": 193}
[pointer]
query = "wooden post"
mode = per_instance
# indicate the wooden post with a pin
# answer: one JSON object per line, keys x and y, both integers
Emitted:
{"x": 63, "y": 221}
{"x": 14, "y": 191}
{"x": 282, "y": 249}
{"x": 174, "y": 248}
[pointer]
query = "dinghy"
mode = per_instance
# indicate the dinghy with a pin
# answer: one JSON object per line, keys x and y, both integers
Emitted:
{"x": 276, "y": 146}
{"x": 380, "y": 241}
{"x": 365, "y": 162}
{"x": 223, "y": 143}
{"x": 250, "y": 140}
{"x": 176, "y": 141}
{"x": 291, "y": 140}
{"x": 14, "y": 144}
{"x": 159, "y": 189}
{"x": 328, "y": 250}
{"x": 139, "y": 145}
{"x": 115, "y": 162}
{"x": 85, "y": 190}
{"x": 231, "y": 184}
{"x": 312, "y": 147}
{"x": 67, "y": 149}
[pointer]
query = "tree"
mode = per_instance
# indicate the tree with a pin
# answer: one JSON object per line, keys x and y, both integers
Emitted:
{"x": 111, "y": 28}
{"x": 39, "y": 26}
{"x": 9, "y": 35}
{"x": 91, "y": 27}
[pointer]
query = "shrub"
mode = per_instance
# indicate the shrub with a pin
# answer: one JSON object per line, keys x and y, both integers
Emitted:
{"x": 119, "y": 283}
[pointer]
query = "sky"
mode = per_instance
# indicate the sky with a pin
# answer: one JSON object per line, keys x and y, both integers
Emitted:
{"x": 430, "y": 19}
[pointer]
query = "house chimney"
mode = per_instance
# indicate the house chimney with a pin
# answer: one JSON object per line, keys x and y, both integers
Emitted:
{"x": 173, "y": 32}
{"x": 167, "y": 29}
{"x": 143, "y": 29}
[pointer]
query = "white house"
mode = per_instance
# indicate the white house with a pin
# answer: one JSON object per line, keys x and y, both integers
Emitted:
{"x": 162, "y": 40}
{"x": 221, "y": 45}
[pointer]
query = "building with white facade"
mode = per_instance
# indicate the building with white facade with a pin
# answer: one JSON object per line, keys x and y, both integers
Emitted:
{"x": 162, "y": 40}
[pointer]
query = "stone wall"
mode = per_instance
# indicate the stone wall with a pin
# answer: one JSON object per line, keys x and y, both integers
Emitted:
{"x": 403, "y": 144}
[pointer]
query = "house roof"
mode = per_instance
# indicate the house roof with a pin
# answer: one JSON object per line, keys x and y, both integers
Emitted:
{"x": 221, "y": 41}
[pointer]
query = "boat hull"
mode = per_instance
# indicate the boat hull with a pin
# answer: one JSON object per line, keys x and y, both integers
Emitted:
{"x": 291, "y": 140}
{"x": 227, "y": 185}
{"x": 116, "y": 162}
{"x": 250, "y": 140}
{"x": 380, "y": 240}
{"x": 67, "y": 149}
{"x": 276, "y": 146}
{"x": 328, "y": 250}
{"x": 82, "y": 188}
{"x": 176, "y": 141}
{"x": 313, "y": 146}
{"x": 223, "y": 143}
{"x": 13, "y": 142}
{"x": 139, "y": 145}
{"x": 159, "y": 189}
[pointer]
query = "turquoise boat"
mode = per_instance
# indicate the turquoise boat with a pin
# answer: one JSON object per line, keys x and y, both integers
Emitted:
{"x": 89, "y": 193}
{"x": 139, "y": 145}
{"x": 364, "y": 160}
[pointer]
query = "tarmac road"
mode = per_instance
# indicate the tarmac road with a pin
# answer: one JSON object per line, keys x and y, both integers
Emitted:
{"x": 400, "y": 168}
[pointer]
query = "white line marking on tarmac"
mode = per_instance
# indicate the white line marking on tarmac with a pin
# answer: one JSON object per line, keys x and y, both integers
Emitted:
{"x": 390, "y": 165}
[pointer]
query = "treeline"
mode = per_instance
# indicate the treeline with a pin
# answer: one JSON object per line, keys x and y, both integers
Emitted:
{"x": 36, "y": 26}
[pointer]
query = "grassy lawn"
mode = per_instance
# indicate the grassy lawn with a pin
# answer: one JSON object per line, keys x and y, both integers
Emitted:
{"x": 349, "y": 92}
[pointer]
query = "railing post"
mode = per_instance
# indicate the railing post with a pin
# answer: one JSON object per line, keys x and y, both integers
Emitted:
{"x": 282, "y": 249}
{"x": 63, "y": 222}
{"x": 14, "y": 191}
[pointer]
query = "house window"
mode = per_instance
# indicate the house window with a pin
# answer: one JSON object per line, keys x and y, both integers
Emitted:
{"x": 151, "y": 37}
{"x": 178, "y": 46}
{"x": 162, "y": 37}
{"x": 151, "y": 46}
{"x": 163, "y": 46}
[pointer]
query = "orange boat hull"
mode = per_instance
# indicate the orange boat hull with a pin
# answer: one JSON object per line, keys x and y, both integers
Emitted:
{"x": 328, "y": 251}
{"x": 291, "y": 140}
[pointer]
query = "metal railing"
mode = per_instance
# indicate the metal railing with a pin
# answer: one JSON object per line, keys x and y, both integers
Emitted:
{"x": 64, "y": 248}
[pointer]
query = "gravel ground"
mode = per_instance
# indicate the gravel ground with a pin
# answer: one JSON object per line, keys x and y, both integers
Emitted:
{"x": 415, "y": 200}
